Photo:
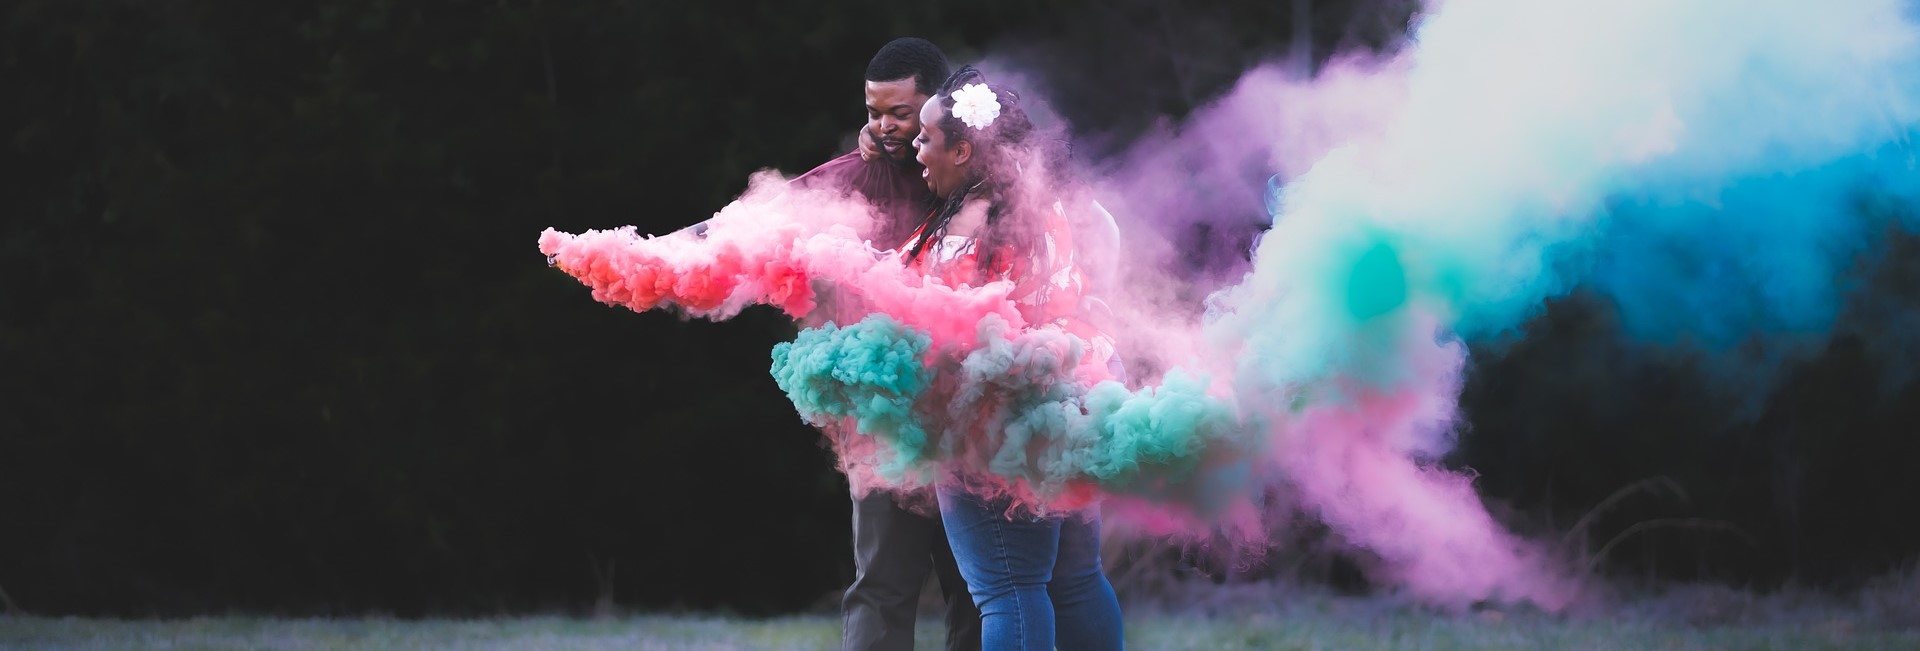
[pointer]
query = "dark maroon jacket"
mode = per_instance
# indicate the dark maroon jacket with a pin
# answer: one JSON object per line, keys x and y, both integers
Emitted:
{"x": 896, "y": 191}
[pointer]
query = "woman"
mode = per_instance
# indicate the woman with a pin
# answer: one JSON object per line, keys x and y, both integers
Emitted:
{"x": 1036, "y": 578}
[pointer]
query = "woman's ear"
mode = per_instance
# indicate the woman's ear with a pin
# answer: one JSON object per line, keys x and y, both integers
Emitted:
{"x": 962, "y": 152}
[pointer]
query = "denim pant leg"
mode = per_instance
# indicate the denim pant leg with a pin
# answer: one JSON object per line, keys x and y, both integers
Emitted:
{"x": 1007, "y": 564}
{"x": 891, "y": 557}
{"x": 1086, "y": 613}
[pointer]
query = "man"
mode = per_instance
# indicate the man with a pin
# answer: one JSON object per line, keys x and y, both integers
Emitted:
{"x": 893, "y": 548}
{"x": 883, "y": 168}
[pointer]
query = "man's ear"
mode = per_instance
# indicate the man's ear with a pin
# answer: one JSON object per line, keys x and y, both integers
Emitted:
{"x": 962, "y": 152}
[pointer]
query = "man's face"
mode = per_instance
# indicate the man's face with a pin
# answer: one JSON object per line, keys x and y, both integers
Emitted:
{"x": 893, "y": 116}
{"x": 946, "y": 162}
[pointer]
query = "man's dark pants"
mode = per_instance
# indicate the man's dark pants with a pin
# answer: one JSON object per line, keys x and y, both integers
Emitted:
{"x": 893, "y": 548}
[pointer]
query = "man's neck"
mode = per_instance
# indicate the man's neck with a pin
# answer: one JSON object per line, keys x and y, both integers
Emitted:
{"x": 908, "y": 164}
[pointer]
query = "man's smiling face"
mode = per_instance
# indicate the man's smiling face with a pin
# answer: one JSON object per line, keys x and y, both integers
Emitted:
{"x": 893, "y": 116}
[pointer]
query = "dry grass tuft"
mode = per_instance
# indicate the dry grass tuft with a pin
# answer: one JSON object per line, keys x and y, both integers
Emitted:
{"x": 1893, "y": 601}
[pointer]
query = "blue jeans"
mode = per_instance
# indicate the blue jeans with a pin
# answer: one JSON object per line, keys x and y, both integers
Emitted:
{"x": 1037, "y": 582}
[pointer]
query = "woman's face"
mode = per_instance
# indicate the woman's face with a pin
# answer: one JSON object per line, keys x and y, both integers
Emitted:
{"x": 946, "y": 162}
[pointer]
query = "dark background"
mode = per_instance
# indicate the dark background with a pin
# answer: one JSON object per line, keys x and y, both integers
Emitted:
{"x": 275, "y": 337}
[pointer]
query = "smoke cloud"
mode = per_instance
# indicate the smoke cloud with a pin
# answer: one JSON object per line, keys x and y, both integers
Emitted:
{"x": 1711, "y": 167}
{"x": 1714, "y": 168}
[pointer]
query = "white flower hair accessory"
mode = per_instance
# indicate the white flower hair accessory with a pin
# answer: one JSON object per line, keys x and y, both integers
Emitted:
{"x": 976, "y": 105}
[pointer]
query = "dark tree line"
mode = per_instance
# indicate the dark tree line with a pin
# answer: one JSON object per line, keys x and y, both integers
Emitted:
{"x": 274, "y": 334}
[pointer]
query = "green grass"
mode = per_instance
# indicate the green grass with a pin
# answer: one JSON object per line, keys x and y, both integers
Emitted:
{"x": 1302, "y": 623}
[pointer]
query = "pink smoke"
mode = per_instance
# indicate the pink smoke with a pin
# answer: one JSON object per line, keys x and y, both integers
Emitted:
{"x": 1369, "y": 469}
{"x": 1363, "y": 461}
{"x": 772, "y": 247}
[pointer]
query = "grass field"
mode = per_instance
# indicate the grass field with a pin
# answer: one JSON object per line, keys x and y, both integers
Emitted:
{"x": 1691, "y": 620}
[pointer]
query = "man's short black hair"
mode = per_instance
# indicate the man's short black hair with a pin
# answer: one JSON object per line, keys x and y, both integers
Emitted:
{"x": 910, "y": 57}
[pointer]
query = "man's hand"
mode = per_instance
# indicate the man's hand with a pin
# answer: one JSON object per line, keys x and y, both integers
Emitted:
{"x": 869, "y": 148}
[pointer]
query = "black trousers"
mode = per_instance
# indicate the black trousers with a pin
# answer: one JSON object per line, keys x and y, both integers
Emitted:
{"x": 893, "y": 549}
